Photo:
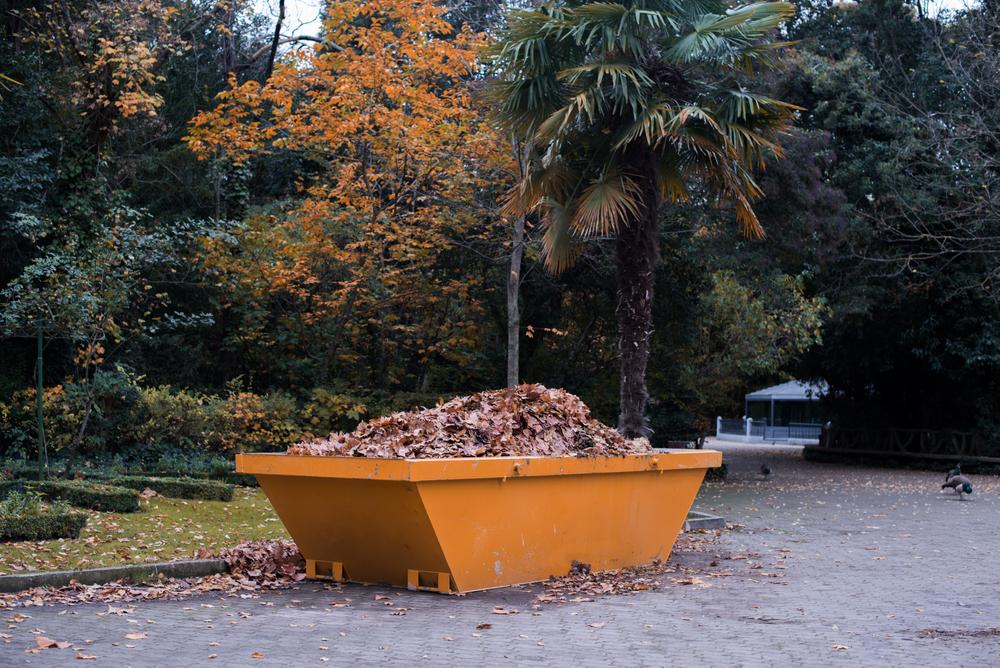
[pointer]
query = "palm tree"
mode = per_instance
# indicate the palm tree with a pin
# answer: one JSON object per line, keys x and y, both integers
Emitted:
{"x": 629, "y": 105}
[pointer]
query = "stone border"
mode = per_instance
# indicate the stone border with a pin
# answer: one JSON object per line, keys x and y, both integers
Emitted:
{"x": 696, "y": 520}
{"x": 190, "y": 568}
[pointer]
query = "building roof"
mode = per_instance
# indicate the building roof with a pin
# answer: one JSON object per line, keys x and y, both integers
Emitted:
{"x": 793, "y": 390}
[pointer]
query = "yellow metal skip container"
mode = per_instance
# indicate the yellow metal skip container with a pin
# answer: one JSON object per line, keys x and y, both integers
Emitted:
{"x": 458, "y": 525}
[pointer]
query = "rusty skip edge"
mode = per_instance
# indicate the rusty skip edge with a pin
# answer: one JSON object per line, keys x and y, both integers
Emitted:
{"x": 464, "y": 468}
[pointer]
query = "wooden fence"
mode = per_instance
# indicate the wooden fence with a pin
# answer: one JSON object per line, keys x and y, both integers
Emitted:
{"x": 921, "y": 443}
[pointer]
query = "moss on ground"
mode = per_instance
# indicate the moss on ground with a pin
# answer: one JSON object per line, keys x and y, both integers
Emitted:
{"x": 163, "y": 530}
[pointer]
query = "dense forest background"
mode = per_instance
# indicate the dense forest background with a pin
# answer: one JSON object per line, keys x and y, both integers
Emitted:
{"x": 230, "y": 236}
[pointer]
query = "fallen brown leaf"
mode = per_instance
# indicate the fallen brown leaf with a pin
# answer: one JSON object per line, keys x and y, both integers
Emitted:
{"x": 49, "y": 643}
{"x": 526, "y": 420}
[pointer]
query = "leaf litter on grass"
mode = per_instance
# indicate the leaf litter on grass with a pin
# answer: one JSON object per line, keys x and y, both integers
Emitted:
{"x": 166, "y": 529}
{"x": 254, "y": 566}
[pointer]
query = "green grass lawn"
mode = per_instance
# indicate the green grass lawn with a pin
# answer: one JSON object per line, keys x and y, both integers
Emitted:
{"x": 163, "y": 530}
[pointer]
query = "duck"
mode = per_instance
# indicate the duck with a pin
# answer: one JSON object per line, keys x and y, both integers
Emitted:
{"x": 959, "y": 483}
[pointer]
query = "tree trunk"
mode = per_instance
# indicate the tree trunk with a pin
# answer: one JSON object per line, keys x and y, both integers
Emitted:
{"x": 74, "y": 446}
{"x": 513, "y": 306}
{"x": 637, "y": 255}
{"x": 274, "y": 42}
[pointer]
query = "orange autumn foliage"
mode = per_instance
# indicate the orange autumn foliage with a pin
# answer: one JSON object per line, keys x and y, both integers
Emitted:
{"x": 405, "y": 164}
{"x": 111, "y": 51}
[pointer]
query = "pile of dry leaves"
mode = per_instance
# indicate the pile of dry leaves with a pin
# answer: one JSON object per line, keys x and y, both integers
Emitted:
{"x": 254, "y": 566}
{"x": 582, "y": 585}
{"x": 527, "y": 420}
{"x": 265, "y": 561}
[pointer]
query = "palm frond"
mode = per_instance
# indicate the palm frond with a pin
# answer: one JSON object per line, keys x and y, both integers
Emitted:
{"x": 545, "y": 177}
{"x": 650, "y": 124}
{"x": 729, "y": 38}
{"x": 600, "y": 87}
{"x": 607, "y": 204}
{"x": 670, "y": 181}
{"x": 747, "y": 218}
{"x": 559, "y": 248}
{"x": 622, "y": 84}
{"x": 584, "y": 106}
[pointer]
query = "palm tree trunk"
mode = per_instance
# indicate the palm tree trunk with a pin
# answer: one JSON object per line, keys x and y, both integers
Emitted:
{"x": 637, "y": 255}
{"x": 513, "y": 307}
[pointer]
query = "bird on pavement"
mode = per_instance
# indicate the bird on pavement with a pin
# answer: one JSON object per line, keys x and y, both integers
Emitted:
{"x": 959, "y": 483}
{"x": 765, "y": 470}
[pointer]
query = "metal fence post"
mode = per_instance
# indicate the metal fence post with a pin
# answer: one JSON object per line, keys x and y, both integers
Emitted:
{"x": 749, "y": 426}
{"x": 718, "y": 426}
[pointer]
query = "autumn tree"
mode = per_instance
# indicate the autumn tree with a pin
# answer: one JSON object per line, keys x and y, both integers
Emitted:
{"x": 111, "y": 53}
{"x": 383, "y": 115}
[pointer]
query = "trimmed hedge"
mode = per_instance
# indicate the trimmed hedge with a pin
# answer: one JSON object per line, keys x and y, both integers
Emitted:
{"x": 44, "y": 526}
{"x": 8, "y": 486}
{"x": 219, "y": 469}
{"x": 25, "y": 472}
{"x": 241, "y": 479}
{"x": 178, "y": 488}
{"x": 106, "y": 498}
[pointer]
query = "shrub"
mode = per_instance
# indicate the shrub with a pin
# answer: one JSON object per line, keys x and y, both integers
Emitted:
{"x": 241, "y": 479}
{"x": 328, "y": 411}
{"x": 174, "y": 463}
{"x": 19, "y": 428}
{"x": 178, "y": 488}
{"x": 23, "y": 517}
{"x": 22, "y": 470}
{"x": 116, "y": 394}
{"x": 46, "y": 526}
{"x": 172, "y": 417}
{"x": 7, "y": 487}
{"x": 245, "y": 421}
{"x": 22, "y": 504}
{"x": 670, "y": 426}
{"x": 380, "y": 403}
{"x": 170, "y": 432}
{"x": 106, "y": 498}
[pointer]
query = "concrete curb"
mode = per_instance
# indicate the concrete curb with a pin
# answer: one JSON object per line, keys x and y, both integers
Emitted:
{"x": 696, "y": 520}
{"x": 190, "y": 568}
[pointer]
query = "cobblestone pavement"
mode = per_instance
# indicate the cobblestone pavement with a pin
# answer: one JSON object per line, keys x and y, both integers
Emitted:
{"x": 829, "y": 565}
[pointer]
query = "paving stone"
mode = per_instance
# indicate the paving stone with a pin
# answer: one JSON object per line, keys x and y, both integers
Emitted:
{"x": 874, "y": 560}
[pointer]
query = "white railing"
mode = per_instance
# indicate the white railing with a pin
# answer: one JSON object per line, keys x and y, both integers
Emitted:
{"x": 748, "y": 429}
